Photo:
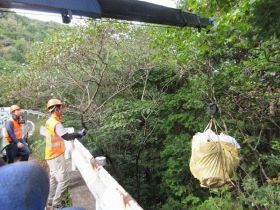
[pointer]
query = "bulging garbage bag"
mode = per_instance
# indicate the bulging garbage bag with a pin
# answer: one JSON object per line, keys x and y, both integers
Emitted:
{"x": 214, "y": 158}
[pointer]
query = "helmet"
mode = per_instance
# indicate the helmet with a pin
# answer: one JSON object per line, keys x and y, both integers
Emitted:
{"x": 14, "y": 108}
{"x": 54, "y": 102}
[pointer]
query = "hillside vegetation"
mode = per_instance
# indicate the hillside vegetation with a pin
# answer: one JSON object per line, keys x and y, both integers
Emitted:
{"x": 142, "y": 92}
{"x": 17, "y": 33}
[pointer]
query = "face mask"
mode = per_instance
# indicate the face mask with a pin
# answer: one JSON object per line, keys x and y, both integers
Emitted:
{"x": 21, "y": 119}
{"x": 61, "y": 110}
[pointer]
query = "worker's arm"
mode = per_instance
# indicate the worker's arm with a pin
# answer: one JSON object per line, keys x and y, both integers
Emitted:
{"x": 72, "y": 136}
{"x": 60, "y": 130}
{"x": 10, "y": 130}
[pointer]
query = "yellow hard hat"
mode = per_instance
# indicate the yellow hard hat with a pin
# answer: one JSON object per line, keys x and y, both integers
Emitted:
{"x": 54, "y": 102}
{"x": 14, "y": 108}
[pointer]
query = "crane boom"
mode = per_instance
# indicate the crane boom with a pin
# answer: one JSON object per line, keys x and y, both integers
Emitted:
{"x": 132, "y": 10}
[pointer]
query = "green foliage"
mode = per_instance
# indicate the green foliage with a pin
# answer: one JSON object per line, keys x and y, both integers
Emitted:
{"x": 17, "y": 34}
{"x": 260, "y": 197}
{"x": 66, "y": 199}
{"x": 238, "y": 75}
{"x": 220, "y": 199}
{"x": 127, "y": 139}
{"x": 38, "y": 148}
{"x": 266, "y": 18}
{"x": 37, "y": 142}
{"x": 165, "y": 78}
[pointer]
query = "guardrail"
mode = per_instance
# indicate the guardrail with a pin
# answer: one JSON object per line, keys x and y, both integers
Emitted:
{"x": 108, "y": 193}
{"x": 39, "y": 114}
{"x": 6, "y": 113}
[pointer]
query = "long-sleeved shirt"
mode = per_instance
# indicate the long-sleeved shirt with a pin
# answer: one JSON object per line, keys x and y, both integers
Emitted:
{"x": 10, "y": 130}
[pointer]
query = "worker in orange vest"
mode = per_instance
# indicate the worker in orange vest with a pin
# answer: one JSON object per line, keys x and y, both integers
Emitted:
{"x": 13, "y": 134}
{"x": 54, "y": 152}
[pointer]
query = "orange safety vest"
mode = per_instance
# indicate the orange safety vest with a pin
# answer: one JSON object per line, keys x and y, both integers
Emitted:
{"x": 54, "y": 143}
{"x": 17, "y": 130}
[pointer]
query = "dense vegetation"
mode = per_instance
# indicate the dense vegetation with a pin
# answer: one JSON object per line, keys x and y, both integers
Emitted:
{"x": 143, "y": 93}
{"x": 17, "y": 34}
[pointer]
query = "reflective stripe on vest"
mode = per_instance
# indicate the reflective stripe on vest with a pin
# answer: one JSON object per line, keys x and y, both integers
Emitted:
{"x": 54, "y": 143}
{"x": 16, "y": 128}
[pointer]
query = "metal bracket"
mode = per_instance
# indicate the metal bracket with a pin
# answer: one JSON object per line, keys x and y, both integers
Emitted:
{"x": 212, "y": 108}
{"x": 67, "y": 17}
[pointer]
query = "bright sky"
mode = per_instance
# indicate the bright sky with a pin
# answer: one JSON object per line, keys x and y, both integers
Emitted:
{"x": 57, "y": 18}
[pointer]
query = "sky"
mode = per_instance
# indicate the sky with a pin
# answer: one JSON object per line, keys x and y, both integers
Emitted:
{"x": 57, "y": 18}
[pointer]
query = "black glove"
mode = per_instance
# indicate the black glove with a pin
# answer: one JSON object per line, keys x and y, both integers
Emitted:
{"x": 82, "y": 133}
{"x": 72, "y": 136}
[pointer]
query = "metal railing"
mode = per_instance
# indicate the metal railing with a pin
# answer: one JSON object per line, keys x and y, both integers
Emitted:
{"x": 106, "y": 190}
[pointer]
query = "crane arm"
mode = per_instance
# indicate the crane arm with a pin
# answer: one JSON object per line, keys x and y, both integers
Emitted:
{"x": 132, "y": 10}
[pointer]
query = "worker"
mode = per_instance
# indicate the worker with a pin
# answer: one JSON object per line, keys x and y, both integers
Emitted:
{"x": 54, "y": 152}
{"x": 13, "y": 135}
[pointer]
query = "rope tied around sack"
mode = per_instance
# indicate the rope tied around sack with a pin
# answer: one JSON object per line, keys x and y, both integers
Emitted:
{"x": 221, "y": 149}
